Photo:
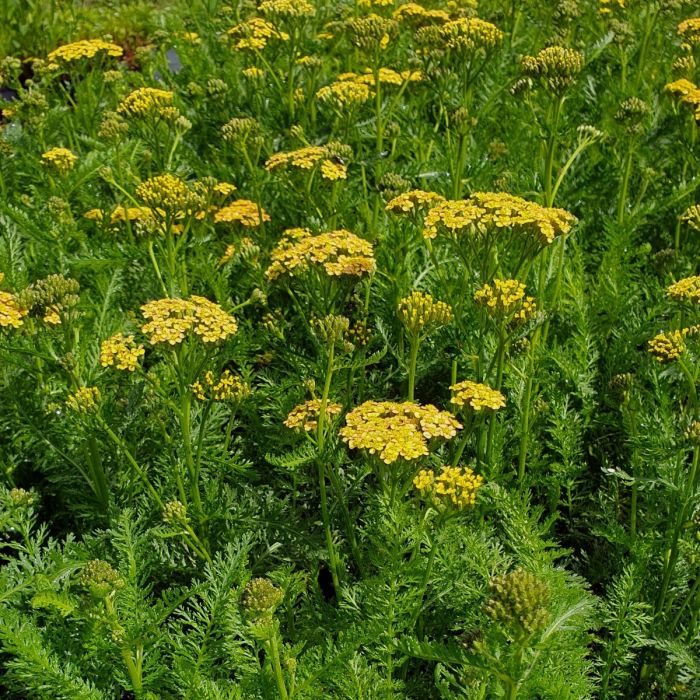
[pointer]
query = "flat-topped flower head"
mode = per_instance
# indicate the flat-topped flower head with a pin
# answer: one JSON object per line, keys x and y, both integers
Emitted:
{"x": 121, "y": 351}
{"x": 687, "y": 289}
{"x": 145, "y": 102}
{"x": 345, "y": 93}
{"x": 452, "y": 487}
{"x": 414, "y": 202}
{"x": 478, "y": 397}
{"x": 170, "y": 320}
{"x": 666, "y": 347}
{"x": 326, "y": 157}
{"x": 396, "y": 431}
{"x": 484, "y": 211}
{"x": 226, "y": 387}
{"x": 11, "y": 312}
{"x": 337, "y": 253}
{"x": 243, "y": 212}
{"x": 254, "y": 34}
{"x": 414, "y": 14}
{"x": 305, "y": 415}
{"x": 419, "y": 312}
{"x": 87, "y": 48}
{"x": 506, "y": 299}
{"x": 168, "y": 193}
{"x": 287, "y": 9}
{"x": 689, "y": 31}
{"x": 60, "y": 159}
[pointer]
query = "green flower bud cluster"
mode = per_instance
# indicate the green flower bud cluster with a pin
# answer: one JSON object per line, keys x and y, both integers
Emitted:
{"x": 631, "y": 114}
{"x": 99, "y": 579}
{"x": 50, "y": 298}
{"x": 556, "y": 67}
{"x": 519, "y": 600}
{"x": 174, "y": 512}
{"x": 261, "y": 597}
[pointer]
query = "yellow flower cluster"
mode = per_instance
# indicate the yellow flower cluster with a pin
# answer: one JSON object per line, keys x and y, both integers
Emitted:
{"x": 254, "y": 34}
{"x": 228, "y": 387}
{"x": 169, "y": 320}
{"x": 456, "y": 486}
{"x": 419, "y": 311}
{"x": 224, "y": 189}
{"x": 468, "y": 35}
{"x": 386, "y": 76}
{"x": 308, "y": 158}
{"x": 346, "y": 93}
{"x": 666, "y": 347}
{"x": 121, "y": 351}
{"x": 416, "y": 14}
{"x": 84, "y": 400}
{"x": 485, "y": 210}
{"x": 243, "y": 212}
{"x": 396, "y": 430}
{"x": 11, "y": 313}
{"x": 87, "y": 48}
{"x": 287, "y": 9}
{"x": 556, "y": 66}
{"x": 146, "y": 102}
{"x": 688, "y": 92}
{"x": 167, "y": 193}
{"x": 505, "y": 298}
{"x": 687, "y": 289}
{"x": 61, "y": 159}
{"x": 413, "y": 202}
{"x": 305, "y": 415}
{"x": 337, "y": 252}
{"x": 477, "y": 396}
{"x": 689, "y": 30}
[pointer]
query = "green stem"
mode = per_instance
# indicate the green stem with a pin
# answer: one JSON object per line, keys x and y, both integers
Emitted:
{"x": 624, "y": 187}
{"x": 321, "y": 439}
{"x": 277, "y": 665}
{"x": 412, "y": 362}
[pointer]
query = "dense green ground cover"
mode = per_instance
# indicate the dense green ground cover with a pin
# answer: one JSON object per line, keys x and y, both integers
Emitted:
{"x": 350, "y": 350}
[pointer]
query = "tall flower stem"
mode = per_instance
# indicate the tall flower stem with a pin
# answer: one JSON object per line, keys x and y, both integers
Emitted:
{"x": 321, "y": 441}
{"x": 414, "y": 345}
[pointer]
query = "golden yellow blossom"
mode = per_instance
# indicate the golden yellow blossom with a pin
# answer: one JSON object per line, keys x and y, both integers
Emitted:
{"x": 243, "y": 212}
{"x": 336, "y": 252}
{"x": 169, "y": 320}
{"x": 11, "y": 313}
{"x": 414, "y": 201}
{"x": 121, "y": 351}
{"x": 254, "y": 34}
{"x": 420, "y": 311}
{"x": 344, "y": 94}
{"x": 61, "y": 159}
{"x": 666, "y": 347}
{"x": 145, "y": 102}
{"x": 87, "y": 48}
{"x": 84, "y": 400}
{"x": 687, "y": 289}
{"x": 477, "y": 396}
{"x": 305, "y": 415}
{"x": 556, "y": 66}
{"x": 227, "y": 387}
{"x": 498, "y": 210}
{"x": 453, "y": 486}
{"x": 397, "y": 430}
{"x": 506, "y": 298}
{"x": 308, "y": 158}
{"x": 287, "y": 9}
